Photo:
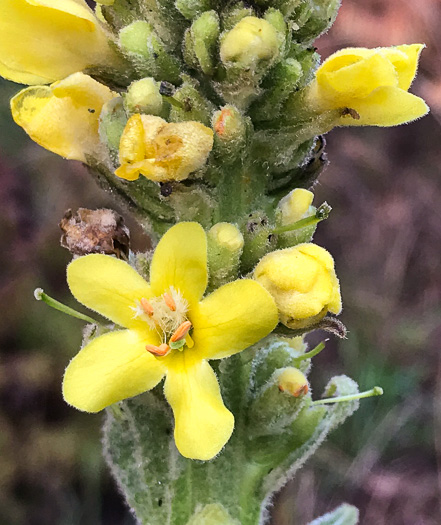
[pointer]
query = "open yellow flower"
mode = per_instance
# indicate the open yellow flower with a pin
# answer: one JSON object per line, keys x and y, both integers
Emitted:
{"x": 63, "y": 117}
{"x": 157, "y": 340}
{"x": 303, "y": 283}
{"x": 370, "y": 86}
{"x": 47, "y": 40}
{"x": 162, "y": 151}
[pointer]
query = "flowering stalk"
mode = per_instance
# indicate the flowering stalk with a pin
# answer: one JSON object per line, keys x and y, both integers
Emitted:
{"x": 206, "y": 121}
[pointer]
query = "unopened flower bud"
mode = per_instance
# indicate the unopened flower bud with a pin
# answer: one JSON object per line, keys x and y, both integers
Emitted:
{"x": 225, "y": 244}
{"x": 295, "y": 205}
{"x": 162, "y": 151}
{"x": 303, "y": 283}
{"x": 201, "y": 41}
{"x": 230, "y": 128}
{"x": 144, "y": 48}
{"x": 143, "y": 97}
{"x": 292, "y": 381}
{"x": 251, "y": 41}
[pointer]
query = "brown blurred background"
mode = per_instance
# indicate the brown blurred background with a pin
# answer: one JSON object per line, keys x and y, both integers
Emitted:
{"x": 385, "y": 234}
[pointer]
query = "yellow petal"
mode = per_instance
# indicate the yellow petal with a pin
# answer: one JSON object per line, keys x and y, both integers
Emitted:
{"x": 110, "y": 368}
{"x": 180, "y": 260}
{"x": 46, "y": 40}
{"x": 202, "y": 422}
{"x": 232, "y": 318}
{"x": 64, "y": 117}
{"x": 388, "y": 106}
{"x": 405, "y": 60}
{"x": 108, "y": 286}
{"x": 295, "y": 205}
{"x": 359, "y": 79}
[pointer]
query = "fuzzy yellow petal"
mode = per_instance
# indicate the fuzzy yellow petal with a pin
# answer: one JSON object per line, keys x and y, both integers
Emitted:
{"x": 405, "y": 60}
{"x": 180, "y": 260}
{"x": 64, "y": 117}
{"x": 388, "y": 106}
{"x": 358, "y": 79}
{"x": 232, "y": 318}
{"x": 44, "y": 41}
{"x": 110, "y": 368}
{"x": 202, "y": 422}
{"x": 108, "y": 286}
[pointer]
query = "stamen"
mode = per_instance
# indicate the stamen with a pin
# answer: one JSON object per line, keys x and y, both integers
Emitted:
{"x": 169, "y": 301}
{"x": 147, "y": 307}
{"x": 181, "y": 332}
{"x": 160, "y": 350}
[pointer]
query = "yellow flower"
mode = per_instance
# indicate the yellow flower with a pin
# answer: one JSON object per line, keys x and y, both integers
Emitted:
{"x": 303, "y": 283}
{"x": 63, "y": 117}
{"x": 161, "y": 151}
{"x": 47, "y": 40}
{"x": 128, "y": 362}
{"x": 369, "y": 85}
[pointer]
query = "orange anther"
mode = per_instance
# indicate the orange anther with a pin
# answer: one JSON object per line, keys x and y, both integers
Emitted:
{"x": 158, "y": 350}
{"x": 169, "y": 301}
{"x": 146, "y": 306}
{"x": 181, "y": 332}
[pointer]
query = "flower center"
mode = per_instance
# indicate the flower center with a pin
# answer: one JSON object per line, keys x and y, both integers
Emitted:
{"x": 167, "y": 316}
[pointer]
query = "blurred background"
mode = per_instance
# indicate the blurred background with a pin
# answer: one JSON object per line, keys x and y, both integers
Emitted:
{"x": 385, "y": 233}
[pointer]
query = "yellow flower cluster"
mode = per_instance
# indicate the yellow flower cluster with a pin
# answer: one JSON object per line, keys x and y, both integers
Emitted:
{"x": 169, "y": 329}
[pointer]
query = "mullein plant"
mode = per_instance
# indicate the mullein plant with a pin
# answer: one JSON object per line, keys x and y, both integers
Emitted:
{"x": 205, "y": 119}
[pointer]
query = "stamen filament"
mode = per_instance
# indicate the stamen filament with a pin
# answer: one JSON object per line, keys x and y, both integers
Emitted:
{"x": 53, "y": 303}
{"x": 169, "y": 301}
{"x": 321, "y": 214}
{"x": 181, "y": 332}
{"x": 376, "y": 391}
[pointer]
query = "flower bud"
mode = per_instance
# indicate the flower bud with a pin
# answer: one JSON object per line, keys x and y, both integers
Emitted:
{"x": 303, "y": 283}
{"x": 295, "y": 205}
{"x": 200, "y": 44}
{"x": 368, "y": 86}
{"x": 161, "y": 151}
{"x": 225, "y": 244}
{"x": 292, "y": 381}
{"x": 230, "y": 128}
{"x": 250, "y": 42}
{"x": 144, "y": 48}
{"x": 292, "y": 208}
{"x": 143, "y": 97}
